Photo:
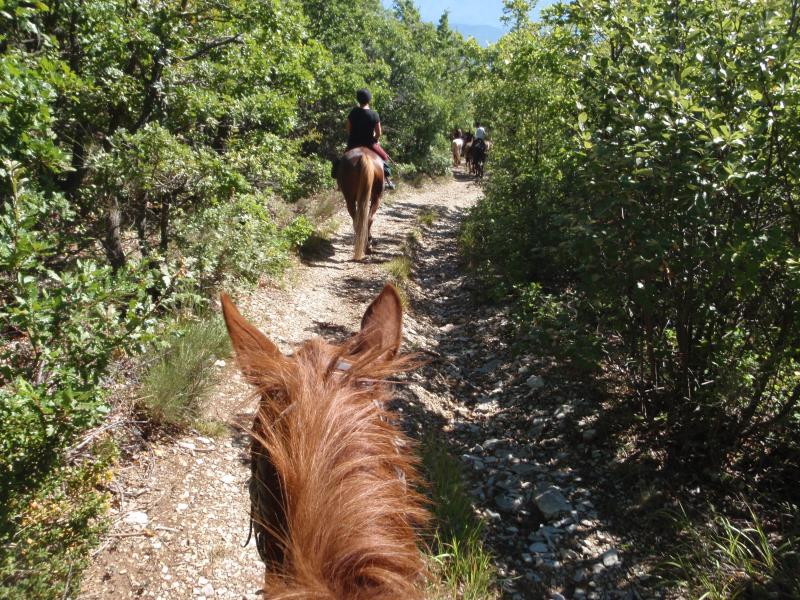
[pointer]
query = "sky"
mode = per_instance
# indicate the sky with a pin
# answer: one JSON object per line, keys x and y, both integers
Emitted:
{"x": 466, "y": 12}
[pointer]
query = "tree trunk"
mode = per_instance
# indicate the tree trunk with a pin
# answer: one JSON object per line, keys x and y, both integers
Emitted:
{"x": 164, "y": 225}
{"x": 112, "y": 243}
{"x": 140, "y": 222}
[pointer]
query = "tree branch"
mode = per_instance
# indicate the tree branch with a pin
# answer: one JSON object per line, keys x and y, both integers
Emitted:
{"x": 232, "y": 39}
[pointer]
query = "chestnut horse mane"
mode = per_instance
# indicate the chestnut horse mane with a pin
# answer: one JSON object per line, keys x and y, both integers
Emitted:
{"x": 349, "y": 509}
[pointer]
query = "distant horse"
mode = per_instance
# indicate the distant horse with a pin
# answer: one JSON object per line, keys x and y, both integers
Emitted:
{"x": 468, "y": 143}
{"x": 478, "y": 155}
{"x": 360, "y": 177}
{"x": 456, "y": 146}
{"x": 334, "y": 501}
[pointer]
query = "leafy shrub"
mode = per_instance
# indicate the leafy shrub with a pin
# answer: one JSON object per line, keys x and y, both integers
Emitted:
{"x": 46, "y": 534}
{"x": 650, "y": 183}
{"x": 550, "y": 323}
{"x": 238, "y": 241}
{"x": 63, "y": 328}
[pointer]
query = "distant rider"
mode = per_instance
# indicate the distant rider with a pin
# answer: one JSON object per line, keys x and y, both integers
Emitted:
{"x": 480, "y": 137}
{"x": 364, "y": 129}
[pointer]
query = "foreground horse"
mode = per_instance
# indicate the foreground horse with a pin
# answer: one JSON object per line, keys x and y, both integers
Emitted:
{"x": 360, "y": 177}
{"x": 334, "y": 506}
{"x": 456, "y": 146}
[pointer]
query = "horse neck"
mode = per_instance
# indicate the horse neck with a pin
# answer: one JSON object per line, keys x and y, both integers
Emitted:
{"x": 349, "y": 530}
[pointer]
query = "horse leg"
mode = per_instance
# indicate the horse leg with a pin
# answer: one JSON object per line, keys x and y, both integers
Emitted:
{"x": 375, "y": 202}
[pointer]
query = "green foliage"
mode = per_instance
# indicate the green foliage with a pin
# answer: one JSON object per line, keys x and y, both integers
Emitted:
{"x": 427, "y": 217}
{"x": 398, "y": 269}
{"x": 237, "y": 242}
{"x": 61, "y": 329}
{"x": 46, "y": 534}
{"x": 641, "y": 163}
{"x": 182, "y": 376}
{"x": 547, "y": 321}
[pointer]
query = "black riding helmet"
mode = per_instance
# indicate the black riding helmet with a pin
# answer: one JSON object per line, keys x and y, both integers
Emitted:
{"x": 363, "y": 96}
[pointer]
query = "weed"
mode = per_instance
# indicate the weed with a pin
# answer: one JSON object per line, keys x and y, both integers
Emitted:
{"x": 726, "y": 559}
{"x": 321, "y": 207}
{"x": 427, "y": 217}
{"x": 460, "y": 562}
{"x": 175, "y": 387}
{"x": 398, "y": 269}
{"x": 211, "y": 428}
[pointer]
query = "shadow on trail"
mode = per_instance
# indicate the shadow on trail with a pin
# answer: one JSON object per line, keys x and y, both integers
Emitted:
{"x": 511, "y": 421}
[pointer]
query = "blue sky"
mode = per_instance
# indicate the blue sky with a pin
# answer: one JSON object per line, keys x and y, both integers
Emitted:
{"x": 467, "y": 12}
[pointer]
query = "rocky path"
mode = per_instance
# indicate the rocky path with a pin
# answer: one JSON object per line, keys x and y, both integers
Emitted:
{"x": 181, "y": 517}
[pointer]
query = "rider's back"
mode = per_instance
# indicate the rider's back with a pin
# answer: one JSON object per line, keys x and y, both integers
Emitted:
{"x": 362, "y": 127}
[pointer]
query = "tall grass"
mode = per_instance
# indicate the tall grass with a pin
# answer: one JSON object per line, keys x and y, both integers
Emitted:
{"x": 462, "y": 567}
{"x": 175, "y": 387}
{"x": 725, "y": 559}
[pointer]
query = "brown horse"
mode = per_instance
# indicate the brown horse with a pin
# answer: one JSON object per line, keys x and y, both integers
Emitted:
{"x": 479, "y": 152}
{"x": 469, "y": 141}
{"x": 334, "y": 503}
{"x": 360, "y": 177}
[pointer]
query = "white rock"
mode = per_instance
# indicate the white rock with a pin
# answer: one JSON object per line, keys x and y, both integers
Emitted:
{"x": 228, "y": 478}
{"x": 535, "y": 382}
{"x": 208, "y": 590}
{"x": 136, "y": 518}
{"x": 181, "y": 507}
{"x": 610, "y": 557}
{"x": 219, "y": 363}
{"x": 552, "y": 503}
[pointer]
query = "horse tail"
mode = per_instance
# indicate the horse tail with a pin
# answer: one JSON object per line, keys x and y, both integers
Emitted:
{"x": 366, "y": 180}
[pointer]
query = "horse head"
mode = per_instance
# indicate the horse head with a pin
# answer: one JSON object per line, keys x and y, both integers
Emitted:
{"x": 334, "y": 502}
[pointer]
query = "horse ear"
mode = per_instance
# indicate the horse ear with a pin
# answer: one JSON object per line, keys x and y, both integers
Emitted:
{"x": 382, "y": 324}
{"x": 250, "y": 345}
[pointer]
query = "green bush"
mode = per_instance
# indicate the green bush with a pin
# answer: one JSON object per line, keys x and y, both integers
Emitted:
{"x": 638, "y": 165}
{"x": 46, "y": 534}
{"x": 238, "y": 241}
{"x": 63, "y": 328}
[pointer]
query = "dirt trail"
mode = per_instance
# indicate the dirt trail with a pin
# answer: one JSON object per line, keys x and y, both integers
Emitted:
{"x": 182, "y": 514}
{"x": 530, "y": 441}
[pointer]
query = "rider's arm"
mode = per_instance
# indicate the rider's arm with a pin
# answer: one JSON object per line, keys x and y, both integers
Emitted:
{"x": 378, "y": 131}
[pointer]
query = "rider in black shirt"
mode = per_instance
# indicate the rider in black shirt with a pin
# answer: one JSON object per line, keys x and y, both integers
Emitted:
{"x": 364, "y": 129}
